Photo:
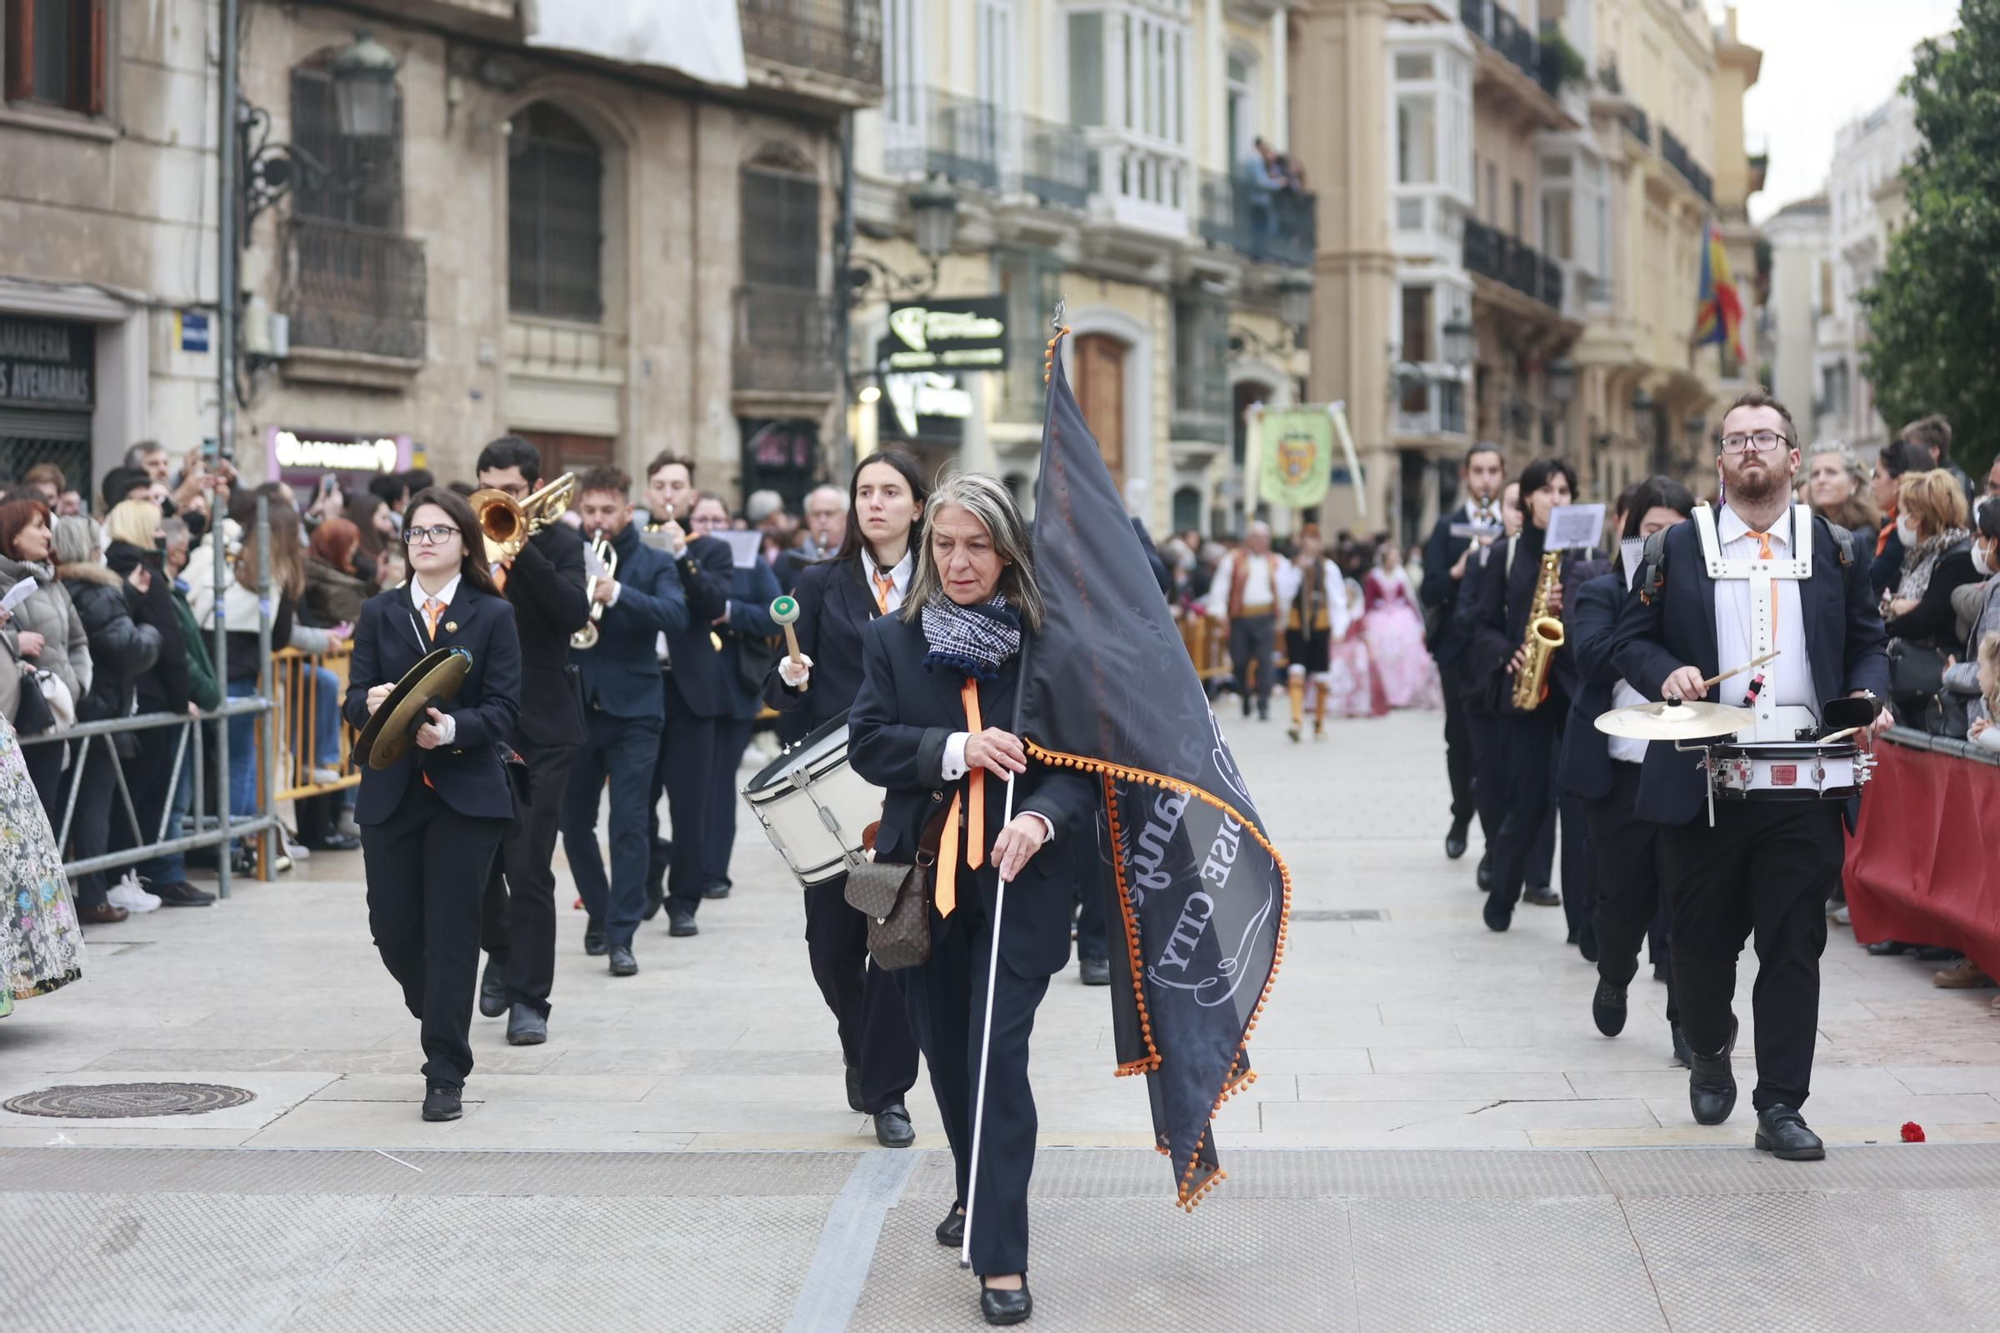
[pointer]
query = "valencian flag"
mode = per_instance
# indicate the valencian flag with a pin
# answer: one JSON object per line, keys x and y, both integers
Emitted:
{"x": 1718, "y": 318}
{"x": 1182, "y": 857}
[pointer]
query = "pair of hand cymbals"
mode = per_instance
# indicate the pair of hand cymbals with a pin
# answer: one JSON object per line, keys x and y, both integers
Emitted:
{"x": 392, "y": 729}
{"x": 1673, "y": 720}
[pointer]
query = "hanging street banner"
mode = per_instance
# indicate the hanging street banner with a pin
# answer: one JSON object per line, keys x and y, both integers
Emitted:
{"x": 1295, "y": 449}
{"x": 969, "y": 334}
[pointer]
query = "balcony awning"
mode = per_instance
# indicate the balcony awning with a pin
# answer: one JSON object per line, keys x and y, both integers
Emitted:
{"x": 702, "y": 39}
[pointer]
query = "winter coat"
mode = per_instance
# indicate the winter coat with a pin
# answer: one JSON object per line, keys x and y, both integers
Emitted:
{"x": 121, "y": 649}
{"x": 163, "y": 689}
{"x": 332, "y": 596}
{"x": 51, "y": 614}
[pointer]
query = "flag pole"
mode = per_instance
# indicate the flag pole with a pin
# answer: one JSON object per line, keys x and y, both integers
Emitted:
{"x": 985, "y": 1045}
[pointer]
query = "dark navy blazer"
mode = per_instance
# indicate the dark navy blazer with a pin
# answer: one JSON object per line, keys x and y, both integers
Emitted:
{"x": 621, "y": 675}
{"x": 389, "y": 639}
{"x": 751, "y": 592}
{"x": 835, "y": 609}
{"x": 1658, "y": 633}
{"x": 703, "y": 673}
{"x": 1590, "y": 614}
{"x": 1442, "y": 593}
{"x": 1499, "y": 622}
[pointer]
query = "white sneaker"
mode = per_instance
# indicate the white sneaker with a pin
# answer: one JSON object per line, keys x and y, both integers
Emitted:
{"x": 325, "y": 776}
{"x": 127, "y": 894}
{"x": 1839, "y": 916}
{"x": 298, "y": 851}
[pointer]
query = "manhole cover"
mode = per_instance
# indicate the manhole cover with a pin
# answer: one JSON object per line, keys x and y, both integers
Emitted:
{"x": 111, "y": 1101}
{"x": 1339, "y": 914}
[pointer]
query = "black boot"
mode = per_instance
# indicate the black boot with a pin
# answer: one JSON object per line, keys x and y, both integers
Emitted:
{"x": 1454, "y": 840}
{"x": 1484, "y": 876}
{"x": 1607, "y": 1008}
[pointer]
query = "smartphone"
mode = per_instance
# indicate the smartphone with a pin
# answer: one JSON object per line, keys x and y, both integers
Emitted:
{"x": 327, "y": 485}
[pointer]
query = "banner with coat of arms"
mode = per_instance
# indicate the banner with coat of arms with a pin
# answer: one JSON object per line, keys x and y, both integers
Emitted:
{"x": 1296, "y": 454}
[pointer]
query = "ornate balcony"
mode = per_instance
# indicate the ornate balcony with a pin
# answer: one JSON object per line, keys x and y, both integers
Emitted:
{"x": 1505, "y": 34}
{"x": 784, "y": 340}
{"x": 838, "y": 38}
{"x": 1267, "y": 226}
{"x": 354, "y": 289}
{"x": 1677, "y": 156}
{"x": 977, "y": 144}
{"x": 1491, "y": 254}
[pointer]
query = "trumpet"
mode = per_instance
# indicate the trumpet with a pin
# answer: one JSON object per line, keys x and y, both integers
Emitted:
{"x": 607, "y": 555}
{"x": 507, "y": 523}
{"x": 1545, "y": 635}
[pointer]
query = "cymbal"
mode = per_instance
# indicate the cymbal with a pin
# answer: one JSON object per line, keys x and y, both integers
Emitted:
{"x": 1675, "y": 721}
{"x": 393, "y": 728}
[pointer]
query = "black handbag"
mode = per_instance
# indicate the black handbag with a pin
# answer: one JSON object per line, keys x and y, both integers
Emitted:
{"x": 1916, "y": 680}
{"x": 32, "y": 715}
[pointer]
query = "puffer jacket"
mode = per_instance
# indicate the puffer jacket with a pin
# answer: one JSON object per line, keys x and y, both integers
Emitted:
{"x": 120, "y": 649}
{"x": 164, "y": 688}
{"x": 51, "y": 614}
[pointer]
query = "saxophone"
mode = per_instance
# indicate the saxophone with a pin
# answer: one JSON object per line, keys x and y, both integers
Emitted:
{"x": 1545, "y": 635}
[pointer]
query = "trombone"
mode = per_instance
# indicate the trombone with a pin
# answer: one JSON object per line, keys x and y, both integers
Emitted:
{"x": 507, "y": 523}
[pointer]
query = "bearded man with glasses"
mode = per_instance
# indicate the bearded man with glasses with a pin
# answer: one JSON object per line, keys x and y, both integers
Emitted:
{"x": 1763, "y": 866}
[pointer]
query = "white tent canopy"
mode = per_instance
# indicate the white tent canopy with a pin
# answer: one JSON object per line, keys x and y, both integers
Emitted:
{"x": 702, "y": 39}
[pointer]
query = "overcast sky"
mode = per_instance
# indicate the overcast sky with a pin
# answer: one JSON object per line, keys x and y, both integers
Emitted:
{"x": 1825, "y": 62}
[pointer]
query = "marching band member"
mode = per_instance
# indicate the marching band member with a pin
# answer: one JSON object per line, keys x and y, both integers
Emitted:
{"x": 931, "y": 675}
{"x": 1244, "y": 598}
{"x": 545, "y": 582}
{"x": 1312, "y": 586}
{"x": 621, "y": 698}
{"x": 744, "y": 627}
{"x": 1604, "y": 770}
{"x": 432, "y": 821}
{"x": 1763, "y": 866}
{"x": 1482, "y": 728}
{"x": 1449, "y": 555}
{"x": 1527, "y": 736}
{"x": 838, "y": 599}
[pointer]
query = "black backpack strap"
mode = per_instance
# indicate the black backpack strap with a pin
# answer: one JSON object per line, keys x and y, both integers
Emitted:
{"x": 1652, "y": 567}
{"x": 1843, "y": 540}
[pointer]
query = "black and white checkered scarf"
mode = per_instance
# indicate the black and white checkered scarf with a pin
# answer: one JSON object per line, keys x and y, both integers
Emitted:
{"x": 971, "y": 640}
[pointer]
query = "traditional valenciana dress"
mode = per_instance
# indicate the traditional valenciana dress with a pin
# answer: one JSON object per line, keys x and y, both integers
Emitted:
{"x": 1394, "y": 629}
{"x": 1353, "y": 683}
{"x": 41, "y": 947}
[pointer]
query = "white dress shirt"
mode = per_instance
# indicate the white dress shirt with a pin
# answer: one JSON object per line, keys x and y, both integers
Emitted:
{"x": 899, "y": 579}
{"x": 417, "y": 599}
{"x": 1259, "y": 588}
{"x": 1788, "y": 680}
{"x": 1333, "y": 588}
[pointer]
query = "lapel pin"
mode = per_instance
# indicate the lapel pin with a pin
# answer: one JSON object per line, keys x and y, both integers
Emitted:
{"x": 451, "y": 627}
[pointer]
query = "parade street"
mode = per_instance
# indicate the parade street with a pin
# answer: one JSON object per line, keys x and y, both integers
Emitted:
{"x": 1438, "y": 1137}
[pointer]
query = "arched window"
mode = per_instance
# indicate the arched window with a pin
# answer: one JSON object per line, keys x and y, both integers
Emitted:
{"x": 555, "y": 216}
{"x": 363, "y": 184}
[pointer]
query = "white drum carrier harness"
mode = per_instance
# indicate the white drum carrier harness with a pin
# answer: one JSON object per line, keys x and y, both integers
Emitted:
{"x": 1775, "y": 722}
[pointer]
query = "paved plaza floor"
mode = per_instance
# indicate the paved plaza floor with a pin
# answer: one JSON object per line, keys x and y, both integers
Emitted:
{"x": 1439, "y": 1138}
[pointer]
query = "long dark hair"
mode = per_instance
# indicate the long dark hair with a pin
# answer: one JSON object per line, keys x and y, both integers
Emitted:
{"x": 472, "y": 561}
{"x": 912, "y": 469}
{"x": 1537, "y": 475}
{"x": 1655, "y": 493}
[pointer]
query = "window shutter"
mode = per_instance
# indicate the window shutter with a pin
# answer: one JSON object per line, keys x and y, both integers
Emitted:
{"x": 96, "y": 49}
{"x": 20, "y": 50}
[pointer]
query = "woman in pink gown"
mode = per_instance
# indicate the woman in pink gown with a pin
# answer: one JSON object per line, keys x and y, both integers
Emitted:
{"x": 1351, "y": 683}
{"x": 1394, "y": 630}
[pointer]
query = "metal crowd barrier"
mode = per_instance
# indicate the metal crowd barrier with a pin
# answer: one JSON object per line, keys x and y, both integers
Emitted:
{"x": 298, "y": 696}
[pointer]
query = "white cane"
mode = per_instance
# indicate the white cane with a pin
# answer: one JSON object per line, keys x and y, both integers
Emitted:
{"x": 985, "y": 1045}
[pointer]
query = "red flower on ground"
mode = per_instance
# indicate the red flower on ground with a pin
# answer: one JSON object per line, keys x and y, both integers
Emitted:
{"x": 1912, "y": 1132}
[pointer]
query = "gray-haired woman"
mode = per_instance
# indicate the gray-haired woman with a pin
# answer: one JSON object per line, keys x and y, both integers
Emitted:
{"x": 933, "y": 679}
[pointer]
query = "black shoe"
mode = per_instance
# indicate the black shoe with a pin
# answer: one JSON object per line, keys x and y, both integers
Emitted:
{"x": 493, "y": 988}
{"x": 593, "y": 941}
{"x": 680, "y": 922}
{"x": 1484, "y": 878}
{"x": 1712, "y": 1083}
{"x": 1683, "y": 1054}
{"x": 1782, "y": 1132}
{"x": 442, "y": 1101}
{"x": 623, "y": 964}
{"x": 951, "y": 1231}
{"x": 1006, "y": 1307}
{"x": 1586, "y": 942}
{"x": 656, "y": 893}
{"x": 1541, "y": 895}
{"x": 1094, "y": 971}
{"x": 334, "y": 842}
{"x": 1937, "y": 953}
{"x": 182, "y": 894}
{"x": 854, "y": 1101}
{"x": 892, "y": 1126}
{"x": 1570, "y": 939}
{"x": 1607, "y": 1008}
{"x": 525, "y": 1027}
{"x": 719, "y": 889}
{"x": 1454, "y": 841}
{"x": 1498, "y": 915}
{"x": 1888, "y": 948}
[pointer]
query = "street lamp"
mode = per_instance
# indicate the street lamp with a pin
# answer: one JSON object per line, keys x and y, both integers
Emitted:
{"x": 364, "y": 94}
{"x": 934, "y": 218}
{"x": 364, "y": 88}
{"x": 1458, "y": 346}
{"x": 1560, "y": 379}
{"x": 1295, "y": 299}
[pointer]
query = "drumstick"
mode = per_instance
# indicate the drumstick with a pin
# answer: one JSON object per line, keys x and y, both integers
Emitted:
{"x": 1837, "y": 736}
{"x": 1737, "y": 671}
{"x": 785, "y": 611}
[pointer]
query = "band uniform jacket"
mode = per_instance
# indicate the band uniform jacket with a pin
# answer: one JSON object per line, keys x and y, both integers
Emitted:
{"x": 1500, "y": 622}
{"x": 389, "y": 639}
{"x": 902, "y": 716}
{"x": 701, "y": 671}
{"x": 545, "y": 584}
{"x": 1441, "y": 593}
{"x": 1661, "y": 631}
{"x": 621, "y": 675}
{"x": 835, "y": 609}
{"x": 748, "y": 628}
{"x": 1590, "y": 614}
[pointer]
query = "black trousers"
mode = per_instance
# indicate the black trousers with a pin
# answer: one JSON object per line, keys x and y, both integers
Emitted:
{"x": 1763, "y": 870}
{"x": 149, "y": 776}
{"x": 1629, "y": 882}
{"x": 427, "y": 867}
{"x": 718, "y": 843}
{"x": 519, "y": 921}
{"x": 875, "y": 1035}
{"x": 1253, "y": 639}
{"x": 1458, "y": 749}
{"x": 1579, "y": 869}
{"x": 946, "y": 998}
{"x": 686, "y": 771}
{"x": 1528, "y": 745}
{"x": 90, "y": 827}
{"x": 45, "y": 770}
{"x": 1542, "y": 856}
{"x": 1489, "y": 770}
{"x": 623, "y": 753}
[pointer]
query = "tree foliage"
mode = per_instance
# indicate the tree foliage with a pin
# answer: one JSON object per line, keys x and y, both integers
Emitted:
{"x": 1934, "y": 309}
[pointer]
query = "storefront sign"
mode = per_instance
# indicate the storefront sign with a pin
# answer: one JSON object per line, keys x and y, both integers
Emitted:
{"x": 924, "y": 406}
{"x": 949, "y": 335}
{"x": 305, "y": 455}
{"x": 47, "y": 364}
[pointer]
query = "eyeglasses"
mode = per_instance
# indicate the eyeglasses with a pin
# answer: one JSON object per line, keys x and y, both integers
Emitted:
{"x": 436, "y": 536}
{"x": 1763, "y": 442}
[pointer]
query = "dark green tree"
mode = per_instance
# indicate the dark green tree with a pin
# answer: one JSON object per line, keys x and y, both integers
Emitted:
{"x": 1934, "y": 309}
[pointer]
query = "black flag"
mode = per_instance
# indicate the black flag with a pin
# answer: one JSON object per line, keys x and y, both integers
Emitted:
{"x": 1183, "y": 858}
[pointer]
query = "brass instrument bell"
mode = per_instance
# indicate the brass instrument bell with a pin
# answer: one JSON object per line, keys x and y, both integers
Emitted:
{"x": 506, "y": 523}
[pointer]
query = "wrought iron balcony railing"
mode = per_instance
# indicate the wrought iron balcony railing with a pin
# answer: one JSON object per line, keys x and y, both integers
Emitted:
{"x": 1266, "y": 225}
{"x": 354, "y": 289}
{"x": 842, "y": 38}
{"x": 1505, "y": 34}
{"x": 980, "y": 145}
{"x": 1491, "y": 254}
{"x": 784, "y": 340}
{"x": 1677, "y": 156}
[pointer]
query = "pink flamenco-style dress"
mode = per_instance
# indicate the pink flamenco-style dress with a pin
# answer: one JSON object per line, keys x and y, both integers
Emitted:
{"x": 1352, "y": 681}
{"x": 1394, "y": 629}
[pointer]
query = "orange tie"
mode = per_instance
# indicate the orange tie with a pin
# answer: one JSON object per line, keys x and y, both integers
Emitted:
{"x": 500, "y": 576}
{"x": 884, "y": 585}
{"x": 975, "y": 823}
{"x": 433, "y": 610}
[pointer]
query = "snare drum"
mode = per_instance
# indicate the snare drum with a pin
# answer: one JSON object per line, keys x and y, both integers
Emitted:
{"x": 1788, "y": 771}
{"x": 814, "y": 807}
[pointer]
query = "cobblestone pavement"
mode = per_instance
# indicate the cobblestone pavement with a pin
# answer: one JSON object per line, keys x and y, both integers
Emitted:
{"x": 1399, "y": 1023}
